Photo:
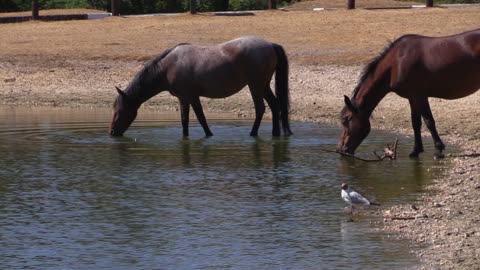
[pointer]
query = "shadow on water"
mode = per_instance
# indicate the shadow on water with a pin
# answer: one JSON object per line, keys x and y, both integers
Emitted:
{"x": 72, "y": 197}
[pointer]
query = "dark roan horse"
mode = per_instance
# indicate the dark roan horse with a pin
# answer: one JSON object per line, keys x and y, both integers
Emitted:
{"x": 190, "y": 72}
{"x": 416, "y": 68}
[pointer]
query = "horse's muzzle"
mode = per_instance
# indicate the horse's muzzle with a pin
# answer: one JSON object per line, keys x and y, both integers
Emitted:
{"x": 345, "y": 150}
{"x": 114, "y": 133}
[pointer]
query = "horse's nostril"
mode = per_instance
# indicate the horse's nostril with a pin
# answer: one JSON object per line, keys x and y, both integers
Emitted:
{"x": 342, "y": 149}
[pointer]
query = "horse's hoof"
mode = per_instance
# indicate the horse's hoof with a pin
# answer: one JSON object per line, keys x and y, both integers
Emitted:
{"x": 438, "y": 156}
{"x": 414, "y": 154}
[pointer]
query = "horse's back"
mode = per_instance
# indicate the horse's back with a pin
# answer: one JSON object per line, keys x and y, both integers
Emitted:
{"x": 253, "y": 51}
{"x": 221, "y": 70}
{"x": 445, "y": 67}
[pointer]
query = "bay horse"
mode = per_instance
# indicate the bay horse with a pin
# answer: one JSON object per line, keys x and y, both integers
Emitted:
{"x": 414, "y": 67}
{"x": 190, "y": 72}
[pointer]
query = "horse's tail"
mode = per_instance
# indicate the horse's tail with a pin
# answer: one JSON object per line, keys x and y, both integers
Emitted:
{"x": 281, "y": 87}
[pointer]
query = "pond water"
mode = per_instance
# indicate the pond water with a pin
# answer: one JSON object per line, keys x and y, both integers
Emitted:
{"x": 71, "y": 197}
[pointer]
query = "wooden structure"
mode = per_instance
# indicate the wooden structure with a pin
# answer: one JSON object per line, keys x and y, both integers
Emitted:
{"x": 115, "y": 7}
{"x": 193, "y": 8}
{"x": 351, "y": 3}
{"x": 272, "y": 4}
{"x": 35, "y": 8}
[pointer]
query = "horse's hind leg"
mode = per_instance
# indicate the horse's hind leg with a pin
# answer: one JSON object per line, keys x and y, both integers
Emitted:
{"x": 273, "y": 104}
{"x": 184, "y": 114}
{"x": 197, "y": 108}
{"x": 417, "y": 125}
{"x": 257, "y": 97}
{"x": 430, "y": 123}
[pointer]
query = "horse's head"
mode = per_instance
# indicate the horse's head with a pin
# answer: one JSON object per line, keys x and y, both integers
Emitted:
{"x": 124, "y": 112}
{"x": 356, "y": 126}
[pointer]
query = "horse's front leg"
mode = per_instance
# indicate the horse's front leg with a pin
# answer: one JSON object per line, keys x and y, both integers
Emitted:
{"x": 417, "y": 126}
{"x": 197, "y": 108}
{"x": 184, "y": 114}
{"x": 430, "y": 123}
{"x": 273, "y": 104}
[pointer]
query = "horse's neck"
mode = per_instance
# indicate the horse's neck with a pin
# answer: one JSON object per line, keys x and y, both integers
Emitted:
{"x": 148, "y": 93}
{"x": 373, "y": 90}
{"x": 139, "y": 95}
{"x": 142, "y": 91}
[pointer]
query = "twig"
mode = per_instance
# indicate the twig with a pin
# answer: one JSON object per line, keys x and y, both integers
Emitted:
{"x": 353, "y": 156}
{"x": 379, "y": 157}
{"x": 359, "y": 158}
{"x": 402, "y": 218}
{"x": 388, "y": 152}
{"x": 395, "y": 146}
{"x": 348, "y": 155}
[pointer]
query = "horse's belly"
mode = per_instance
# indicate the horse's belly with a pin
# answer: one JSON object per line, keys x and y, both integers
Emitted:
{"x": 221, "y": 90}
{"x": 455, "y": 92}
{"x": 455, "y": 87}
{"x": 453, "y": 82}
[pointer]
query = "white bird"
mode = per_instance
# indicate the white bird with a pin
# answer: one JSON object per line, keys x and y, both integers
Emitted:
{"x": 352, "y": 197}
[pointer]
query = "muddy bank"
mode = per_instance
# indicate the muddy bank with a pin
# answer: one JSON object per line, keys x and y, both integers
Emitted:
{"x": 443, "y": 222}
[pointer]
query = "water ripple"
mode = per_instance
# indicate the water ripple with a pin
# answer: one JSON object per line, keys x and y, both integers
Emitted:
{"x": 72, "y": 197}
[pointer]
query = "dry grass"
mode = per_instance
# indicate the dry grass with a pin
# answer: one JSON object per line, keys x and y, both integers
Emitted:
{"x": 338, "y": 37}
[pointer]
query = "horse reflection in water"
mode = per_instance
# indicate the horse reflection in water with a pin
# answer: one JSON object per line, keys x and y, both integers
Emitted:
{"x": 414, "y": 67}
{"x": 190, "y": 72}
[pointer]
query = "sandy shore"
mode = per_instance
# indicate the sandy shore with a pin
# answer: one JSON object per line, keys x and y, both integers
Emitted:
{"x": 444, "y": 223}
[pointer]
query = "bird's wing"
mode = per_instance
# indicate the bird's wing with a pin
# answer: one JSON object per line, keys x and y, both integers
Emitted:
{"x": 345, "y": 197}
{"x": 357, "y": 198}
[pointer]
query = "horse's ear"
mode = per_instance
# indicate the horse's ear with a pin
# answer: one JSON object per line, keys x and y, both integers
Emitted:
{"x": 349, "y": 104}
{"x": 120, "y": 92}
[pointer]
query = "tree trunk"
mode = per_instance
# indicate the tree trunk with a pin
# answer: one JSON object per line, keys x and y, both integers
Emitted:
{"x": 35, "y": 8}
{"x": 272, "y": 4}
{"x": 193, "y": 9}
{"x": 350, "y": 4}
{"x": 115, "y": 7}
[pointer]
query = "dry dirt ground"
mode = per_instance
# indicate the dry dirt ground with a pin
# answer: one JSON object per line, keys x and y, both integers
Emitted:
{"x": 78, "y": 63}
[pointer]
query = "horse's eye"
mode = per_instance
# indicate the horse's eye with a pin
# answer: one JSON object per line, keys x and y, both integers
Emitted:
{"x": 346, "y": 120}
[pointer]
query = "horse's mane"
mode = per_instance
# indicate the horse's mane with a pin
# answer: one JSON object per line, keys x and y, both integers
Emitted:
{"x": 158, "y": 58}
{"x": 150, "y": 68}
{"x": 372, "y": 66}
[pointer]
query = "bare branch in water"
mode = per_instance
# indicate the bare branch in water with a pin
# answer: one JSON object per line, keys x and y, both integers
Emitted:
{"x": 390, "y": 153}
{"x": 359, "y": 158}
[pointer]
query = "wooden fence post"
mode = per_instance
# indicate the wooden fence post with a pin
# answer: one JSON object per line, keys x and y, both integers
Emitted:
{"x": 115, "y": 7}
{"x": 350, "y": 4}
{"x": 272, "y": 4}
{"x": 35, "y": 8}
{"x": 429, "y": 3}
{"x": 193, "y": 8}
